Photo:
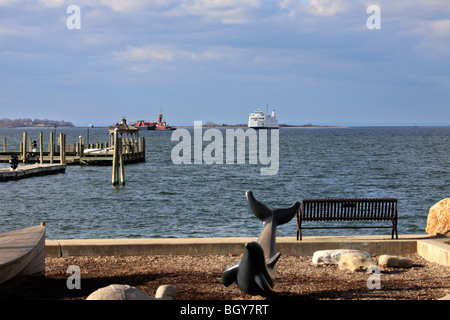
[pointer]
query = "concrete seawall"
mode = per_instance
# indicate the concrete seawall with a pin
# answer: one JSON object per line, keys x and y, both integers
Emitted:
{"x": 433, "y": 249}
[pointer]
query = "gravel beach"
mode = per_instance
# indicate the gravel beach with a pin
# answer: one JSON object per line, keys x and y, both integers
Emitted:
{"x": 199, "y": 278}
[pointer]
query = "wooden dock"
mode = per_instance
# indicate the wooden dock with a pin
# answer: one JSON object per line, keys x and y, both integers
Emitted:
{"x": 27, "y": 171}
{"x": 22, "y": 252}
{"x": 69, "y": 158}
{"x": 79, "y": 153}
{"x": 106, "y": 158}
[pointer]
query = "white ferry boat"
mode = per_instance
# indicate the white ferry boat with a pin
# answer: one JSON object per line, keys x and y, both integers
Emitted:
{"x": 259, "y": 120}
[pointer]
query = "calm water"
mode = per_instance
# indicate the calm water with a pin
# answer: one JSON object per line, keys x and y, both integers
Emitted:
{"x": 162, "y": 199}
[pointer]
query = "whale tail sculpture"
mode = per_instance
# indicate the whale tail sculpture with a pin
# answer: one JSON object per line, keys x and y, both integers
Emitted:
{"x": 255, "y": 272}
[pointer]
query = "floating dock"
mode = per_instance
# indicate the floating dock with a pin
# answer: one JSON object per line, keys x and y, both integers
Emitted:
{"x": 27, "y": 171}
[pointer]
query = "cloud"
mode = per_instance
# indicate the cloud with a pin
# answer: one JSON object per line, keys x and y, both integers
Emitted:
{"x": 433, "y": 38}
{"x": 435, "y": 29}
{"x": 5, "y": 3}
{"x": 146, "y": 53}
{"x": 133, "y": 5}
{"x": 225, "y": 11}
{"x": 314, "y": 7}
{"x": 53, "y": 3}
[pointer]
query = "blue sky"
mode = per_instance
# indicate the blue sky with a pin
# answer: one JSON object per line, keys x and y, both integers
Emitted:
{"x": 314, "y": 61}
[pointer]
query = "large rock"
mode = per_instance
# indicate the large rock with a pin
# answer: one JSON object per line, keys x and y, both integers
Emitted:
{"x": 333, "y": 256}
{"x": 438, "y": 222}
{"x": 166, "y": 292}
{"x": 356, "y": 261}
{"x": 394, "y": 261}
{"x": 126, "y": 292}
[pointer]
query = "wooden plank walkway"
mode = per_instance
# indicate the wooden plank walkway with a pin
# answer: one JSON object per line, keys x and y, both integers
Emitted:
{"x": 68, "y": 159}
{"x": 22, "y": 251}
{"x": 28, "y": 171}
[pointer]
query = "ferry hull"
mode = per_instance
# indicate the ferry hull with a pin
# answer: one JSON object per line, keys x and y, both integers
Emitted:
{"x": 258, "y": 128}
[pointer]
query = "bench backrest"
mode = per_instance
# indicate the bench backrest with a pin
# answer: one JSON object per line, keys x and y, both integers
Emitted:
{"x": 348, "y": 209}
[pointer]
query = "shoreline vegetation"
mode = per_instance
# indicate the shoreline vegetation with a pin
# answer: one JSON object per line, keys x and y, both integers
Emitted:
{"x": 36, "y": 123}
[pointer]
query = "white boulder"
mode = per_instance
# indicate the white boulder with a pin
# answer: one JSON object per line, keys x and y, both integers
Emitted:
{"x": 126, "y": 292}
{"x": 166, "y": 292}
{"x": 356, "y": 261}
{"x": 323, "y": 257}
{"x": 394, "y": 261}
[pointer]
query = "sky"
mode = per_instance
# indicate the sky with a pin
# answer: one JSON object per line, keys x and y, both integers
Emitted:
{"x": 313, "y": 61}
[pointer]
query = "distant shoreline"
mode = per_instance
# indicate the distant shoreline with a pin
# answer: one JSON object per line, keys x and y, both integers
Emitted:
{"x": 203, "y": 126}
{"x": 40, "y": 127}
{"x": 281, "y": 127}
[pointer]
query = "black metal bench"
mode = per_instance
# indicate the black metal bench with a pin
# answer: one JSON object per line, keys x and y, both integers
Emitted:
{"x": 355, "y": 209}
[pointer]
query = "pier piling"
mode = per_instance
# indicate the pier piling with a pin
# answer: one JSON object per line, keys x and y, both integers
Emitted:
{"x": 41, "y": 147}
{"x": 24, "y": 148}
{"x": 118, "y": 164}
{"x": 51, "y": 147}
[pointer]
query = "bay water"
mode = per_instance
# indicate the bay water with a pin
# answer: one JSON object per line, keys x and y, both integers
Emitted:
{"x": 166, "y": 200}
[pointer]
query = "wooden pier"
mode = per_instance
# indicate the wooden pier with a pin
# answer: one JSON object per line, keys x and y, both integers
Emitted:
{"x": 98, "y": 154}
{"x": 32, "y": 170}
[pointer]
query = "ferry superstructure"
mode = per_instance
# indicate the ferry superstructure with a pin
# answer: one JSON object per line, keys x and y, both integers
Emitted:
{"x": 260, "y": 120}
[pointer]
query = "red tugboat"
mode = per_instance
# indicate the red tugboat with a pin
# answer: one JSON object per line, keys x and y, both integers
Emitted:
{"x": 147, "y": 125}
{"x": 144, "y": 125}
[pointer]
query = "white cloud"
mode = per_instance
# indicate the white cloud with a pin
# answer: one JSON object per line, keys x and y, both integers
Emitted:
{"x": 146, "y": 53}
{"x": 126, "y": 6}
{"x": 6, "y": 3}
{"x": 226, "y": 11}
{"x": 146, "y": 58}
{"x": 433, "y": 38}
{"x": 166, "y": 53}
{"x": 53, "y": 3}
{"x": 435, "y": 29}
{"x": 314, "y": 7}
{"x": 326, "y": 7}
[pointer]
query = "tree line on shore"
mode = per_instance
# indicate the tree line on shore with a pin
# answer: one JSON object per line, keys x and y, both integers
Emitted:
{"x": 27, "y": 122}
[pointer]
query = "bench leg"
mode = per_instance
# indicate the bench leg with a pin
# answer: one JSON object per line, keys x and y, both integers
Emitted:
{"x": 299, "y": 229}
{"x": 299, "y": 234}
{"x": 394, "y": 230}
